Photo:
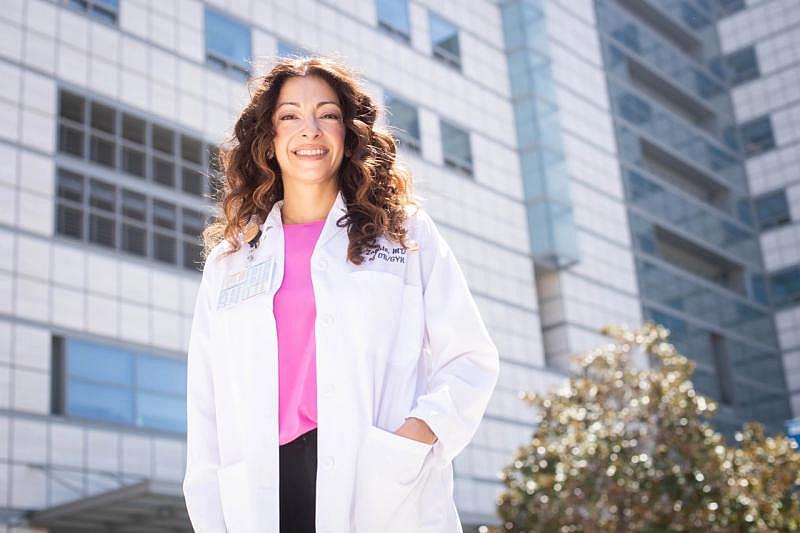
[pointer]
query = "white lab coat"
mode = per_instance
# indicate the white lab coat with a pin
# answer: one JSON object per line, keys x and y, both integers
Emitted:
{"x": 397, "y": 336}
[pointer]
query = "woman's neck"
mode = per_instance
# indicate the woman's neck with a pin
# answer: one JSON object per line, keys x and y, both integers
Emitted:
{"x": 307, "y": 205}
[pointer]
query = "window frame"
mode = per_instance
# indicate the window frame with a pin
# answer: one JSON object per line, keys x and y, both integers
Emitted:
{"x": 463, "y": 166}
{"x": 385, "y": 25}
{"x": 764, "y": 143}
{"x": 184, "y": 243}
{"x": 778, "y": 217}
{"x": 442, "y": 54}
{"x": 90, "y": 9}
{"x": 793, "y": 297}
{"x": 240, "y": 70}
{"x": 150, "y": 153}
{"x": 738, "y": 57}
{"x": 62, "y": 382}
{"x": 405, "y": 138}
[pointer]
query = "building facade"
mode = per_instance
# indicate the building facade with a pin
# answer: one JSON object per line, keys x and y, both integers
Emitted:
{"x": 761, "y": 45}
{"x": 110, "y": 114}
{"x": 582, "y": 158}
{"x": 695, "y": 238}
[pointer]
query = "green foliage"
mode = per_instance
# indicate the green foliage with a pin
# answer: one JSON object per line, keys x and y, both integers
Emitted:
{"x": 620, "y": 448}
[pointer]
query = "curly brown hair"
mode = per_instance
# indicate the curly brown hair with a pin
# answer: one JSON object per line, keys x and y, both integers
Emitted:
{"x": 375, "y": 186}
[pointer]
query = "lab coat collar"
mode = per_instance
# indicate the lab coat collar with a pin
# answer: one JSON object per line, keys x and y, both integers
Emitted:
{"x": 329, "y": 230}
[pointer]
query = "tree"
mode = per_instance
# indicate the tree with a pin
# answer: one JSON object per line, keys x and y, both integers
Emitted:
{"x": 621, "y": 448}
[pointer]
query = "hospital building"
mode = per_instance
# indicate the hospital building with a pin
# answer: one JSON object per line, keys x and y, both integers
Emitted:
{"x": 589, "y": 162}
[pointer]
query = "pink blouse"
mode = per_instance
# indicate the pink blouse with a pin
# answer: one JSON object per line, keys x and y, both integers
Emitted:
{"x": 295, "y": 314}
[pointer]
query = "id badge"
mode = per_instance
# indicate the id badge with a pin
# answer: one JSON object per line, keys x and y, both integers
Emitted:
{"x": 246, "y": 284}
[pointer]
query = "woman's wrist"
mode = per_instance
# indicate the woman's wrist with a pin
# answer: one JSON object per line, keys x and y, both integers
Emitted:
{"x": 417, "y": 429}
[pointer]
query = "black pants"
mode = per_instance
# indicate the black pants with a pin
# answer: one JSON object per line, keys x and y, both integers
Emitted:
{"x": 298, "y": 483}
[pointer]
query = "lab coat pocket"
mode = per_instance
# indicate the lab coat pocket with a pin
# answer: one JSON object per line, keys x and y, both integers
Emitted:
{"x": 390, "y": 471}
{"x": 233, "y": 493}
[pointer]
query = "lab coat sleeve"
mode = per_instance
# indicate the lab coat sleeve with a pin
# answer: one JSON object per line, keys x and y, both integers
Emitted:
{"x": 200, "y": 484}
{"x": 463, "y": 362}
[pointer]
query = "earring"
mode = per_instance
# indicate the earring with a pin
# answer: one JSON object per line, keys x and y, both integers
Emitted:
{"x": 270, "y": 153}
{"x": 348, "y": 153}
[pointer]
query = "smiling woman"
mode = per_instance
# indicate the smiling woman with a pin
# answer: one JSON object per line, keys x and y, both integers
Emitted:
{"x": 332, "y": 323}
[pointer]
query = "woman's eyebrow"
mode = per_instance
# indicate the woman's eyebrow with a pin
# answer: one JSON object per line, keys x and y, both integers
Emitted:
{"x": 320, "y": 104}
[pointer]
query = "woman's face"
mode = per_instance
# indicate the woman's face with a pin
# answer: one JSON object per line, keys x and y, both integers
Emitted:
{"x": 309, "y": 131}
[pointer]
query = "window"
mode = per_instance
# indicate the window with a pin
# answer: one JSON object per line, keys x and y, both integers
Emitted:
{"x": 114, "y": 139}
{"x": 393, "y": 18}
{"x": 772, "y": 209}
{"x": 757, "y": 136}
{"x": 92, "y": 210}
{"x": 228, "y": 46}
{"x": 112, "y": 384}
{"x": 785, "y": 286}
{"x": 742, "y": 65}
{"x": 456, "y": 148}
{"x": 103, "y": 10}
{"x": 404, "y": 121}
{"x": 444, "y": 41}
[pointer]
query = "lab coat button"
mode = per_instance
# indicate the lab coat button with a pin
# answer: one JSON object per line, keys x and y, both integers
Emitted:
{"x": 322, "y": 264}
{"x": 328, "y": 462}
{"x": 327, "y": 319}
{"x": 327, "y": 389}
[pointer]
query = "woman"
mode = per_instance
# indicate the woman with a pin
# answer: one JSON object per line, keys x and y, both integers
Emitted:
{"x": 333, "y": 328}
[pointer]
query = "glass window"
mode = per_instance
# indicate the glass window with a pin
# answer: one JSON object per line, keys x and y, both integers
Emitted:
{"x": 757, "y": 136}
{"x": 133, "y": 129}
{"x": 393, "y": 17}
{"x": 772, "y": 209}
{"x": 70, "y": 140}
{"x": 191, "y": 149}
{"x": 404, "y": 119}
{"x": 87, "y": 207}
{"x": 103, "y": 118}
{"x": 193, "y": 222}
{"x": 164, "y": 247}
{"x": 456, "y": 148}
{"x": 72, "y": 116}
{"x": 134, "y": 162}
{"x": 134, "y": 205}
{"x": 101, "y": 150}
{"x": 164, "y": 172}
{"x": 69, "y": 210}
{"x": 96, "y": 363}
{"x": 71, "y": 107}
{"x": 742, "y": 65}
{"x": 161, "y": 375}
{"x": 163, "y": 214}
{"x": 70, "y": 186}
{"x": 134, "y": 232}
{"x": 103, "y": 10}
{"x": 161, "y": 412}
{"x": 228, "y": 45}
{"x": 163, "y": 139}
{"x": 116, "y": 385}
{"x": 444, "y": 40}
{"x": 785, "y": 286}
{"x": 102, "y": 196}
{"x": 192, "y": 181}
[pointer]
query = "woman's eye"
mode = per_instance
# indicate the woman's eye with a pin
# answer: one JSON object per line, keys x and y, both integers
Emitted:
{"x": 286, "y": 116}
{"x": 332, "y": 115}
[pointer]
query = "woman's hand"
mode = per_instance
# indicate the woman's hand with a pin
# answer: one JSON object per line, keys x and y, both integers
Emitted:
{"x": 416, "y": 429}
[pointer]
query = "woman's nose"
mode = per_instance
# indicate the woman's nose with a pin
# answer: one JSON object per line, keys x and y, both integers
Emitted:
{"x": 310, "y": 126}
